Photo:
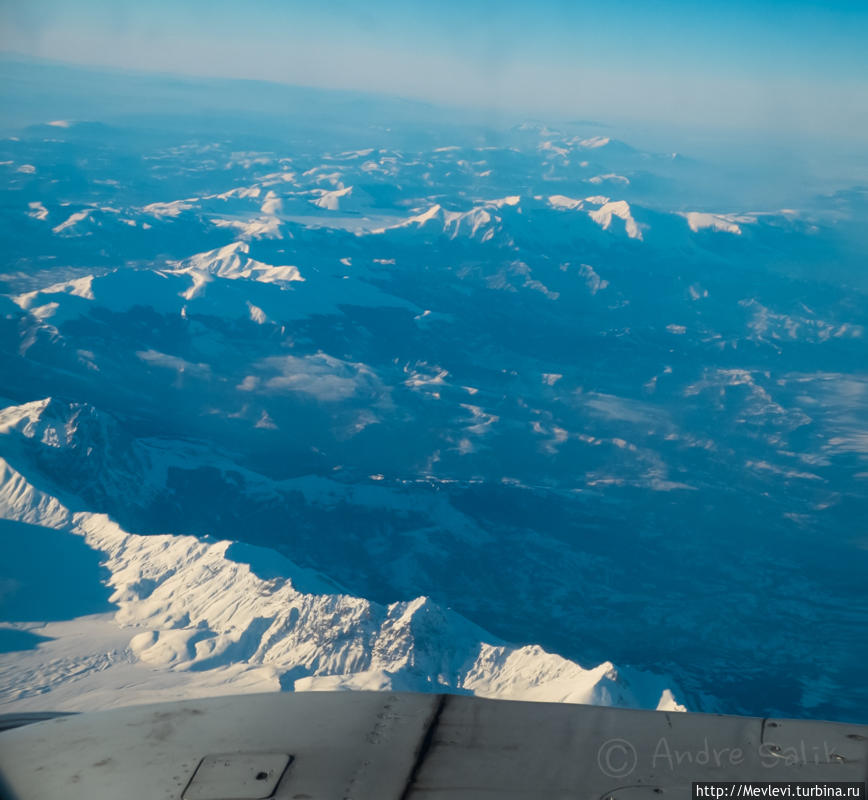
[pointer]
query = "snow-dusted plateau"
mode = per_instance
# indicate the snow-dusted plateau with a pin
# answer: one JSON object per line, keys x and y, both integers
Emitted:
{"x": 362, "y": 398}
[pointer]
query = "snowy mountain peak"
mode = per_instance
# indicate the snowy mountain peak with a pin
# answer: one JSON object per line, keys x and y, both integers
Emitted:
{"x": 604, "y": 212}
{"x": 233, "y": 262}
{"x": 330, "y": 200}
{"x": 563, "y": 202}
{"x": 23, "y": 418}
{"x": 727, "y": 223}
{"x": 54, "y": 423}
{"x": 621, "y": 209}
{"x": 432, "y": 213}
{"x": 479, "y": 223}
{"x": 511, "y": 200}
{"x": 78, "y": 287}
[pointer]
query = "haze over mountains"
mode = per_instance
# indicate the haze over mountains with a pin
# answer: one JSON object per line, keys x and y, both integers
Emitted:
{"x": 524, "y": 411}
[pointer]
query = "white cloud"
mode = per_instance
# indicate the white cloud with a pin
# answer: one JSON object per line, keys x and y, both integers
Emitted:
{"x": 158, "y": 359}
{"x": 322, "y": 376}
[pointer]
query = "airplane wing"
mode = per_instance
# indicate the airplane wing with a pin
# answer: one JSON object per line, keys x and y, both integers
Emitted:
{"x": 380, "y": 746}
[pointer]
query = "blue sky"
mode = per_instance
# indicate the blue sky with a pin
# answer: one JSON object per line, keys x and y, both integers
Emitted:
{"x": 796, "y": 65}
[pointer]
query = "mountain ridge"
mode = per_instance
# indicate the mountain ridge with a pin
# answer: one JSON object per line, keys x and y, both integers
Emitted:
{"x": 196, "y": 609}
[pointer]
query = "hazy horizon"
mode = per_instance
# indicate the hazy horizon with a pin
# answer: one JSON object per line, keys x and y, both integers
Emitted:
{"x": 790, "y": 164}
{"x": 795, "y": 68}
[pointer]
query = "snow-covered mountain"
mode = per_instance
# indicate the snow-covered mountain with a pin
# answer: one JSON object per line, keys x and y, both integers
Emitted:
{"x": 241, "y": 617}
{"x": 531, "y": 385}
{"x": 200, "y": 284}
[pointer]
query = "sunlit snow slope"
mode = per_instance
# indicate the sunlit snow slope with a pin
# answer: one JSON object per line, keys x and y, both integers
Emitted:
{"x": 197, "y": 616}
